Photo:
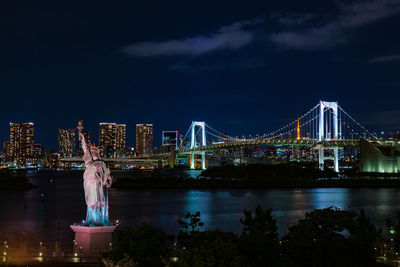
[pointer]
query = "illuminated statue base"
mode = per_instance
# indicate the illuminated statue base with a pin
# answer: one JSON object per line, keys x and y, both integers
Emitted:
{"x": 91, "y": 241}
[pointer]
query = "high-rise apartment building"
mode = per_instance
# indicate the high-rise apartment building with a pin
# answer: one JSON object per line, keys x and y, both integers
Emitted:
{"x": 5, "y": 150}
{"x": 21, "y": 141}
{"x": 66, "y": 142}
{"x": 144, "y": 139}
{"x": 112, "y": 138}
{"x": 38, "y": 151}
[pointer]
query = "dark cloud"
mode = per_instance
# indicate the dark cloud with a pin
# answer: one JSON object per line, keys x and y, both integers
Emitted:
{"x": 219, "y": 66}
{"x": 334, "y": 32}
{"x": 228, "y": 37}
{"x": 292, "y": 20}
{"x": 384, "y": 59}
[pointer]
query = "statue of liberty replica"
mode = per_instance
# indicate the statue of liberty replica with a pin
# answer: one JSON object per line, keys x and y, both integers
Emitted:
{"x": 96, "y": 181}
{"x": 94, "y": 235}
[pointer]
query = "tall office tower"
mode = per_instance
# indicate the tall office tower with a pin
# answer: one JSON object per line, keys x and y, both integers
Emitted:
{"x": 112, "y": 137}
{"x": 21, "y": 141}
{"x": 78, "y": 145}
{"x": 144, "y": 139}
{"x": 169, "y": 140}
{"x": 66, "y": 142}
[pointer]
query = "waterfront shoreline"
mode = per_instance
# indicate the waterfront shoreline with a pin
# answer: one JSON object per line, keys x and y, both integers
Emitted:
{"x": 199, "y": 183}
{"x": 291, "y": 175}
{"x": 16, "y": 181}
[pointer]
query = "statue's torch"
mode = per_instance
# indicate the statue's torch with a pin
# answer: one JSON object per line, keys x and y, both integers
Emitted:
{"x": 80, "y": 128}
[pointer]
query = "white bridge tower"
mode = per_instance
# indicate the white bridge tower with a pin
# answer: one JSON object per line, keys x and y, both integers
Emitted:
{"x": 194, "y": 143}
{"x": 325, "y": 135}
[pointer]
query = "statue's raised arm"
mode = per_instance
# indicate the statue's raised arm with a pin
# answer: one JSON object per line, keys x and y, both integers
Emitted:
{"x": 83, "y": 142}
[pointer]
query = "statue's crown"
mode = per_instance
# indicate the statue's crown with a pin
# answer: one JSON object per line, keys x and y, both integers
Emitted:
{"x": 93, "y": 147}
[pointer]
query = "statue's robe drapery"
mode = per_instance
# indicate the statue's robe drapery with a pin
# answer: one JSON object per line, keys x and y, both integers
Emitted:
{"x": 96, "y": 181}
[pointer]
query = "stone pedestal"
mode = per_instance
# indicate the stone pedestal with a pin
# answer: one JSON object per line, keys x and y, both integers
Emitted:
{"x": 93, "y": 240}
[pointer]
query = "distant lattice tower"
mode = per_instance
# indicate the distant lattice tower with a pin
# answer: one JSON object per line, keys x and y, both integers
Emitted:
{"x": 298, "y": 130}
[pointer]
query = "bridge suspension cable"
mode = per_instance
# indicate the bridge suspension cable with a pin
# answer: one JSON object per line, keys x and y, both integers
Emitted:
{"x": 221, "y": 135}
{"x": 357, "y": 123}
{"x": 276, "y": 132}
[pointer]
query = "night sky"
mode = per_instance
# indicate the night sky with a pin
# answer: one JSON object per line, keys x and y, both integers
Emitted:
{"x": 242, "y": 66}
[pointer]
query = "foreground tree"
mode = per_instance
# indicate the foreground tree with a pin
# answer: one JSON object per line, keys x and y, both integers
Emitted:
{"x": 191, "y": 222}
{"x": 140, "y": 246}
{"x": 363, "y": 237}
{"x": 259, "y": 242}
{"x": 393, "y": 226}
{"x": 210, "y": 248}
{"x": 331, "y": 237}
{"x": 206, "y": 248}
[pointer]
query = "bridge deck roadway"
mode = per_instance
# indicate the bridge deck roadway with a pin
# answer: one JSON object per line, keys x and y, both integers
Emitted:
{"x": 262, "y": 142}
{"x": 289, "y": 142}
{"x": 130, "y": 160}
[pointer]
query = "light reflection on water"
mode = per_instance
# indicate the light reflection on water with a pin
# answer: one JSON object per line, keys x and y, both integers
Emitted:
{"x": 327, "y": 197}
{"x": 64, "y": 205}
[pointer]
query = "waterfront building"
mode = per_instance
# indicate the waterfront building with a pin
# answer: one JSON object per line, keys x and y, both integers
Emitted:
{"x": 21, "y": 141}
{"x": 66, "y": 142}
{"x": 169, "y": 140}
{"x": 394, "y": 135}
{"x": 379, "y": 158}
{"x": 112, "y": 138}
{"x": 144, "y": 139}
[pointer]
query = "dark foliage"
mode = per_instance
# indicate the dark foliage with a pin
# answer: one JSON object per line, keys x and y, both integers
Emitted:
{"x": 145, "y": 245}
{"x": 331, "y": 237}
{"x": 206, "y": 248}
{"x": 394, "y": 228}
{"x": 259, "y": 242}
{"x": 209, "y": 248}
{"x": 326, "y": 237}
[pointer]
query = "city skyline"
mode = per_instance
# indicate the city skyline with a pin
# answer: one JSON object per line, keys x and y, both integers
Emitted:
{"x": 245, "y": 71}
{"x": 95, "y": 135}
{"x": 200, "y": 133}
{"x": 109, "y": 134}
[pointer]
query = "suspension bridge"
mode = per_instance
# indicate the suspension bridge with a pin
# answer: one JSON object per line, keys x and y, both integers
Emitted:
{"x": 325, "y": 127}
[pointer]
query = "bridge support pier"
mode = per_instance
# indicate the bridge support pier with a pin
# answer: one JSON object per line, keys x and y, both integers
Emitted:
{"x": 193, "y": 159}
{"x": 336, "y": 158}
{"x": 321, "y": 158}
